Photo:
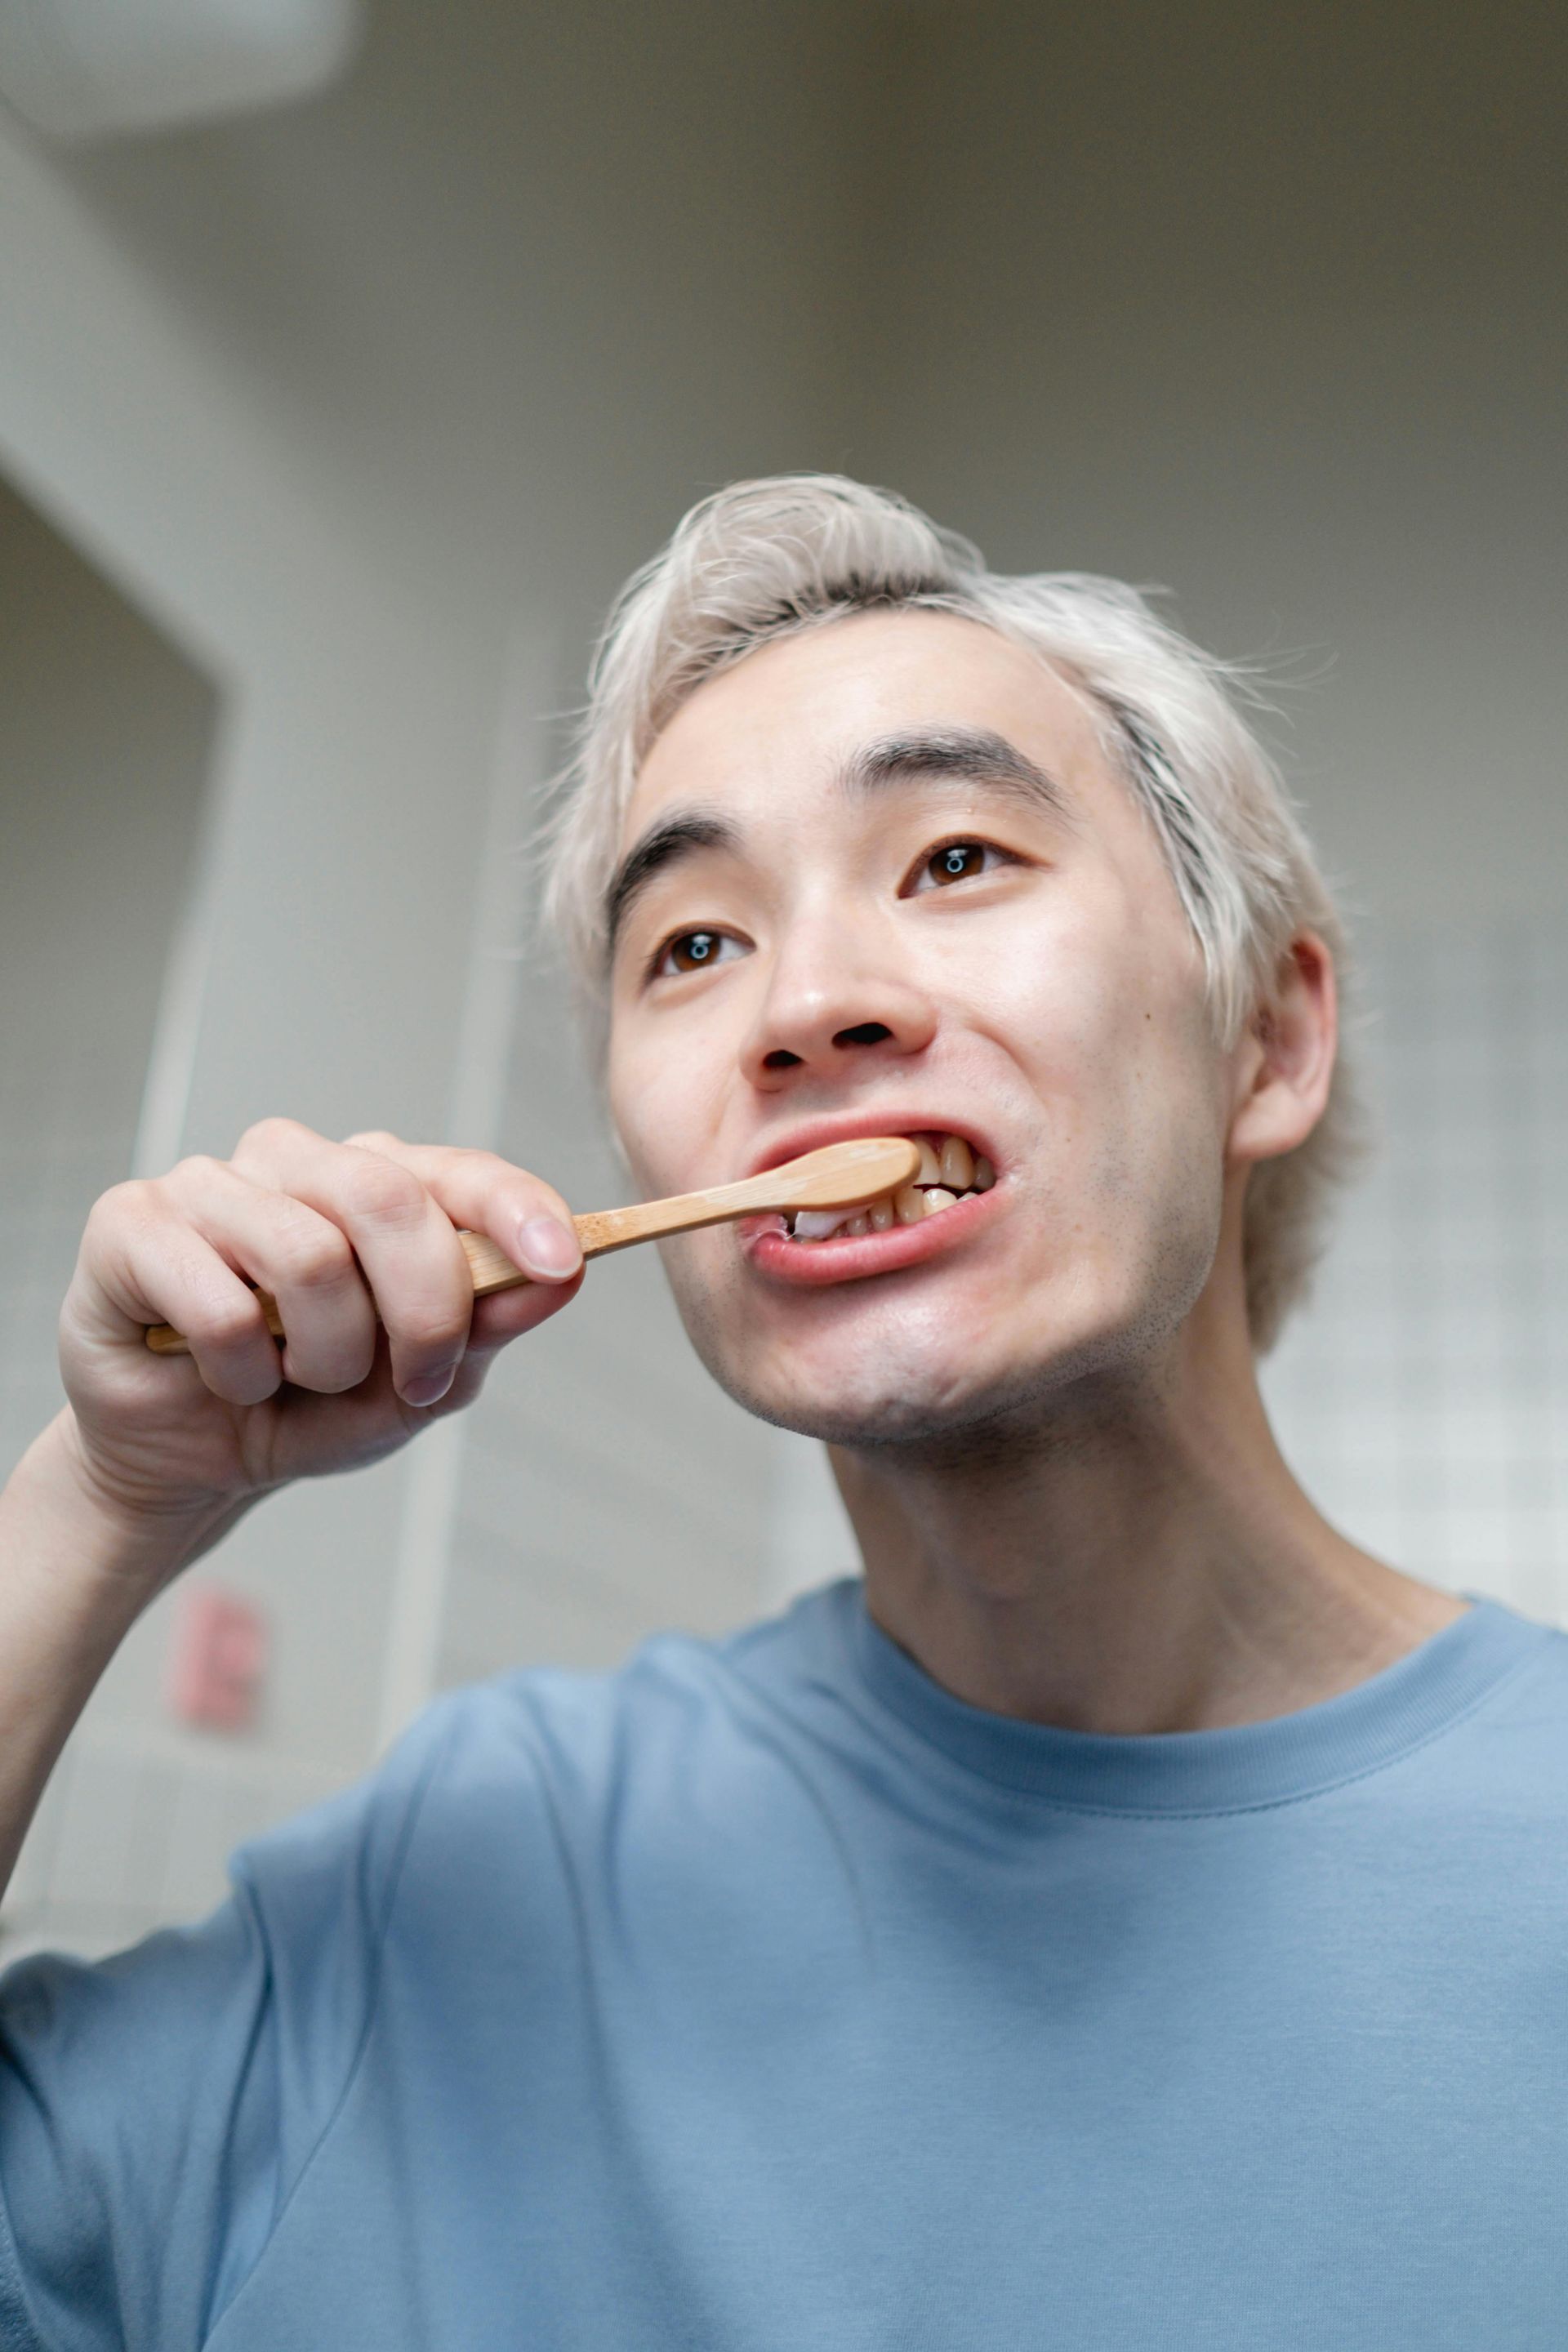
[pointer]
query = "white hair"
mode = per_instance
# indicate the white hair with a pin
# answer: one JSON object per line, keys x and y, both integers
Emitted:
{"x": 764, "y": 559}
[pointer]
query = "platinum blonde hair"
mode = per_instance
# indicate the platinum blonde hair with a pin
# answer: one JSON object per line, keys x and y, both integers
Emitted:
{"x": 762, "y": 559}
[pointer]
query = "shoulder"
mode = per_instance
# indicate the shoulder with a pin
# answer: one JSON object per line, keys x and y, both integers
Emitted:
{"x": 574, "y": 1735}
{"x": 1517, "y": 1728}
{"x": 510, "y": 1800}
{"x": 504, "y": 1763}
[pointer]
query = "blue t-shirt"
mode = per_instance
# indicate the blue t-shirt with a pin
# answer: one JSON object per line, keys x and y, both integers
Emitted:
{"x": 763, "y": 1997}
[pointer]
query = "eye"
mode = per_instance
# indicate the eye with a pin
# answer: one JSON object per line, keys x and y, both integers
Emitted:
{"x": 693, "y": 951}
{"x": 957, "y": 861}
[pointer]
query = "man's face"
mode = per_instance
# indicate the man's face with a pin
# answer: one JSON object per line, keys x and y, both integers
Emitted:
{"x": 894, "y": 887}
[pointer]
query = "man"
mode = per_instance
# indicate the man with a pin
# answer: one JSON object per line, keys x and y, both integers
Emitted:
{"x": 1134, "y": 1917}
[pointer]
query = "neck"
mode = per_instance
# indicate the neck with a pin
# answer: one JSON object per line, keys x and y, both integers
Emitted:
{"x": 1143, "y": 1563}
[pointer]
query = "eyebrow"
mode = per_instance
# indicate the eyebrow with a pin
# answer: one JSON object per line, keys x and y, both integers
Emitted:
{"x": 962, "y": 755}
{"x": 959, "y": 755}
{"x": 664, "y": 843}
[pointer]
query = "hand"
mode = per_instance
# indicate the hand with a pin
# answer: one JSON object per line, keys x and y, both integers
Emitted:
{"x": 340, "y": 1234}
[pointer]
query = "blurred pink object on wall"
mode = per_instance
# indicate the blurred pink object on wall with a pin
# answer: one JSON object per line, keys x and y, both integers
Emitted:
{"x": 217, "y": 1659}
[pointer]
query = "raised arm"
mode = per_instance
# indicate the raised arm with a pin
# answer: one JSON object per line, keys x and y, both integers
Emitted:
{"x": 155, "y": 1457}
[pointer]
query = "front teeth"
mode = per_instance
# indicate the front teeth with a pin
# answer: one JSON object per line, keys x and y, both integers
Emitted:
{"x": 909, "y": 1204}
{"x": 957, "y": 1164}
{"x": 948, "y": 1168}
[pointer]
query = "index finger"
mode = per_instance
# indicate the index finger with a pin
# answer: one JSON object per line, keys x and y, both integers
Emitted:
{"x": 526, "y": 1218}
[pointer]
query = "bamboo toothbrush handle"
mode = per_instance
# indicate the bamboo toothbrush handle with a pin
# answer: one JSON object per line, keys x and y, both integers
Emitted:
{"x": 599, "y": 1231}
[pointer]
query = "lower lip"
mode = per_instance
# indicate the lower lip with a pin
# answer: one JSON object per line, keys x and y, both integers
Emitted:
{"x": 808, "y": 1265}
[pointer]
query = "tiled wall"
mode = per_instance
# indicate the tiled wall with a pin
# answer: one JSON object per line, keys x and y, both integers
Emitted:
{"x": 1423, "y": 1396}
{"x": 135, "y": 1831}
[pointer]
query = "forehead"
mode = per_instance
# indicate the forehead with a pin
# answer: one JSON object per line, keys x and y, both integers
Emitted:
{"x": 787, "y": 717}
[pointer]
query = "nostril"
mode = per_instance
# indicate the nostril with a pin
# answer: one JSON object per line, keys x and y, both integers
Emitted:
{"x": 865, "y": 1033}
{"x": 780, "y": 1058}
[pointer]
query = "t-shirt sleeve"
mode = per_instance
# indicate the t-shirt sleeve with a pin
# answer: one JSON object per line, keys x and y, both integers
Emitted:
{"x": 157, "y": 2108}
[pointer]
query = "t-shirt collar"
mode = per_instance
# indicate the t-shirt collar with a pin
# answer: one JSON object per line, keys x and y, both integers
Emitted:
{"x": 1257, "y": 1764}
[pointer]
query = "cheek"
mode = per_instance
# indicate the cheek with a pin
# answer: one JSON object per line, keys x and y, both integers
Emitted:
{"x": 1162, "y": 1173}
{"x": 1122, "y": 1039}
{"x": 664, "y": 1105}
{"x": 634, "y": 1115}
{"x": 1091, "y": 1002}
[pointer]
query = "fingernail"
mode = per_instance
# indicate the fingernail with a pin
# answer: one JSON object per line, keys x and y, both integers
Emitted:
{"x": 430, "y": 1389}
{"x": 546, "y": 1247}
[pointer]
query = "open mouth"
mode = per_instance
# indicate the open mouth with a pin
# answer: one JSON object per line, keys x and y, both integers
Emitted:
{"x": 950, "y": 1171}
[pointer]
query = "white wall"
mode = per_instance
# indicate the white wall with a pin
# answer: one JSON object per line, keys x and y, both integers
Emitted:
{"x": 105, "y": 737}
{"x": 532, "y": 278}
{"x": 1263, "y": 306}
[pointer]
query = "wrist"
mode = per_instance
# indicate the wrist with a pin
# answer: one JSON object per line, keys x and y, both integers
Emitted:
{"x": 79, "y": 1529}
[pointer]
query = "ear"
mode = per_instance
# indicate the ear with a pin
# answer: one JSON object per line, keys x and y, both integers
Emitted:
{"x": 1286, "y": 1061}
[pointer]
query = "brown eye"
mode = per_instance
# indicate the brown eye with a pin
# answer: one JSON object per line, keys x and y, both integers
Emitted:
{"x": 956, "y": 861}
{"x": 695, "y": 950}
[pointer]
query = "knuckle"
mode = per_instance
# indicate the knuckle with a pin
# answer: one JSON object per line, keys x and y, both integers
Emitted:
{"x": 128, "y": 1214}
{"x": 201, "y": 1173}
{"x": 374, "y": 1139}
{"x": 379, "y": 1192}
{"x": 129, "y": 1200}
{"x": 309, "y": 1254}
{"x": 434, "y": 1330}
{"x": 225, "y": 1326}
{"x": 267, "y": 1134}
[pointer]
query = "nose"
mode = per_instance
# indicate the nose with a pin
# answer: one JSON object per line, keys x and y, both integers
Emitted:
{"x": 833, "y": 1004}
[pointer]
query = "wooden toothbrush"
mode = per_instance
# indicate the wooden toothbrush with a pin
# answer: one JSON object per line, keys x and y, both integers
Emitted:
{"x": 838, "y": 1176}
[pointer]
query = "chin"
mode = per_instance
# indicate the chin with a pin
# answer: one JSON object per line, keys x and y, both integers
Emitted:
{"x": 932, "y": 1401}
{"x": 957, "y": 1365}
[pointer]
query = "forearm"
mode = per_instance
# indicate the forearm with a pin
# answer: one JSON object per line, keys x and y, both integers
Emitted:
{"x": 74, "y": 1577}
{"x": 152, "y": 1461}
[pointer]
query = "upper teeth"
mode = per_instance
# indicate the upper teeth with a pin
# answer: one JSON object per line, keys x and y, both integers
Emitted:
{"x": 948, "y": 1167}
